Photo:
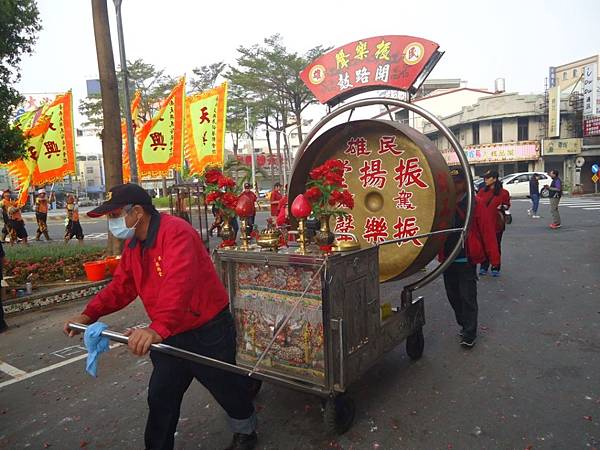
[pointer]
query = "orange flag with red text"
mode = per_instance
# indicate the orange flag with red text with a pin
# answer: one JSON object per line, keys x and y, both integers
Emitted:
{"x": 160, "y": 140}
{"x": 135, "y": 106}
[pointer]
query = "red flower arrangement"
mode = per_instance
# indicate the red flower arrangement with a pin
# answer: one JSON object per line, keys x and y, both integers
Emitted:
{"x": 325, "y": 191}
{"x": 221, "y": 192}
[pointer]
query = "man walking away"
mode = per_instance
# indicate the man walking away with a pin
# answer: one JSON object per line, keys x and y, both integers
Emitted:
{"x": 555, "y": 193}
{"x": 534, "y": 193}
{"x": 460, "y": 278}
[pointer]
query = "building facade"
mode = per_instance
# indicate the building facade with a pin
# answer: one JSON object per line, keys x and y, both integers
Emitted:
{"x": 500, "y": 132}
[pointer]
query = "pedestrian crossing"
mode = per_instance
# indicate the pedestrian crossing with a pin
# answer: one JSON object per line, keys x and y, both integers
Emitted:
{"x": 586, "y": 204}
{"x": 97, "y": 236}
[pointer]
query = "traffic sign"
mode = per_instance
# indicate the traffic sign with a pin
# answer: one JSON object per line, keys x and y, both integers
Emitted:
{"x": 595, "y": 178}
{"x": 595, "y": 168}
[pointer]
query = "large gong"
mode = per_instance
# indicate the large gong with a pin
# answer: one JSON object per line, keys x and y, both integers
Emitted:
{"x": 401, "y": 188}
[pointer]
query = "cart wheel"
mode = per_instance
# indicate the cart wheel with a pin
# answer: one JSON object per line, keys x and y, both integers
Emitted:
{"x": 339, "y": 414}
{"x": 254, "y": 387}
{"x": 415, "y": 344}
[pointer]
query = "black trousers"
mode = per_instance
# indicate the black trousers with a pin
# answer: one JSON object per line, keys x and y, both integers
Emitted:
{"x": 486, "y": 264}
{"x": 172, "y": 376}
{"x": 460, "y": 280}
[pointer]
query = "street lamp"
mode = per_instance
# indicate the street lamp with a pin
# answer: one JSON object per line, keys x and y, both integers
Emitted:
{"x": 128, "y": 121}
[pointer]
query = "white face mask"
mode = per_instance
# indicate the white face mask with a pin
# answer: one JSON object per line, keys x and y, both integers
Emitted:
{"x": 119, "y": 228}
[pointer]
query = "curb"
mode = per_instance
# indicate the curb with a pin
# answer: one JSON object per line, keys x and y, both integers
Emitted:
{"x": 52, "y": 297}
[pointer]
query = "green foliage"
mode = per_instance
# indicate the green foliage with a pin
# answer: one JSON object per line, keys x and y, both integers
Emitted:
{"x": 49, "y": 263}
{"x": 55, "y": 251}
{"x": 153, "y": 84}
{"x": 19, "y": 26}
{"x": 161, "y": 202}
{"x": 206, "y": 76}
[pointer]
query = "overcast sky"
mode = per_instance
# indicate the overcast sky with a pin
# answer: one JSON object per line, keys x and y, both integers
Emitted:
{"x": 483, "y": 40}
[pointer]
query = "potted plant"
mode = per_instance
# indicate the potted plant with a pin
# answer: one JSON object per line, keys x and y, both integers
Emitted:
{"x": 327, "y": 196}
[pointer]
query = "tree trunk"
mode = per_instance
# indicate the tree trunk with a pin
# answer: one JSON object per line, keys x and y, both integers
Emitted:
{"x": 111, "y": 139}
{"x": 299, "y": 123}
{"x": 268, "y": 135}
{"x": 278, "y": 144}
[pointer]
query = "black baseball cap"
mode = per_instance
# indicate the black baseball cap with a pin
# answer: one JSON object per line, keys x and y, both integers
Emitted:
{"x": 122, "y": 195}
{"x": 457, "y": 173}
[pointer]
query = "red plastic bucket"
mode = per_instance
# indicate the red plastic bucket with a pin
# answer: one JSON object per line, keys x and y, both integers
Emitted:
{"x": 95, "y": 270}
{"x": 112, "y": 264}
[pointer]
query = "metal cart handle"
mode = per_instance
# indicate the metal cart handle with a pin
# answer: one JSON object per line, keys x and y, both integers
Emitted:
{"x": 205, "y": 360}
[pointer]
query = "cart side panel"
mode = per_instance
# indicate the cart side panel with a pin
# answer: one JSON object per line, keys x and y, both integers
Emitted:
{"x": 261, "y": 297}
{"x": 353, "y": 296}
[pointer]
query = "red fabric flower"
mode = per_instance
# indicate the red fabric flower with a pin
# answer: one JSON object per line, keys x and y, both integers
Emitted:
{"x": 213, "y": 176}
{"x": 213, "y": 196}
{"x": 229, "y": 200}
{"x": 313, "y": 194}
{"x": 347, "y": 199}
{"x": 225, "y": 182}
{"x": 333, "y": 179}
{"x": 317, "y": 172}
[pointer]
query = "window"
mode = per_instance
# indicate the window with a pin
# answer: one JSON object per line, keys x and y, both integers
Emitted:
{"x": 475, "y": 128}
{"x": 523, "y": 128}
{"x": 519, "y": 179}
{"x": 564, "y": 75}
{"x": 91, "y": 183}
{"x": 497, "y": 130}
{"x": 89, "y": 170}
{"x": 456, "y": 132}
{"x": 574, "y": 73}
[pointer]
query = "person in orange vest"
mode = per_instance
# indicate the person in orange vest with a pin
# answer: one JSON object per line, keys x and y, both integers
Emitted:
{"x": 6, "y": 203}
{"x": 17, "y": 225}
{"x": 73, "y": 225}
{"x": 41, "y": 215}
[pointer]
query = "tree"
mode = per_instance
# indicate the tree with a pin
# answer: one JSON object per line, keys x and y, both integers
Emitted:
{"x": 153, "y": 83}
{"x": 269, "y": 73}
{"x": 206, "y": 76}
{"x": 19, "y": 26}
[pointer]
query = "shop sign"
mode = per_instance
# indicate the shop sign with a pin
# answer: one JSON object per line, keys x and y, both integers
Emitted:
{"x": 591, "y": 126}
{"x": 381, "y": 62}
{"x": 553, "y": 147}
{"x": 497, "y": 153}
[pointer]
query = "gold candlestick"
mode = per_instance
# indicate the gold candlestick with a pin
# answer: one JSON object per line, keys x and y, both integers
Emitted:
{"x": 244, "y": 235}
{"x": 302, "y": 236}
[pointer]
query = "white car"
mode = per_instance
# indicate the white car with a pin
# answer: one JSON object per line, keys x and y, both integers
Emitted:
{"x": 517, "y": 184}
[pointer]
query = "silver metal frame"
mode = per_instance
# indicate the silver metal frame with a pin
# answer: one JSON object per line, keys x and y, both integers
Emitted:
{"x": 194, "y": 357}
{"x": 409, "y": 289}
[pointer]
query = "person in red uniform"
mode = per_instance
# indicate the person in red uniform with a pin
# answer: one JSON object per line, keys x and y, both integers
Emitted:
{"x": 492, "y": 202}
{"x": 252, "y": 196}
{"x": 165, "y": 263}
{"x": 274, "y": 199}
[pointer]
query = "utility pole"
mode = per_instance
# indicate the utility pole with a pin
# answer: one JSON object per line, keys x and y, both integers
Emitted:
{"x": 251, "y": 142}
{"x": 125, "y": 71}
{"x": 111, "y": 132}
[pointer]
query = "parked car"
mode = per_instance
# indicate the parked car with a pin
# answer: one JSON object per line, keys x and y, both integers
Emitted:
{"x": 517, "y": 184}
{"x": 262, "y": 193}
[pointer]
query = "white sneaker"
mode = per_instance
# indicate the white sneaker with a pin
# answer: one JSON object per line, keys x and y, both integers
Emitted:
{"x": 535, "y": 217}
{"x": 528, "y": 212}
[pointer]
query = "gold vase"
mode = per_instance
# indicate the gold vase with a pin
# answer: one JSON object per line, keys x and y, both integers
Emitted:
{"x": 227, "y": 233}
{"x": 324, "y": 237}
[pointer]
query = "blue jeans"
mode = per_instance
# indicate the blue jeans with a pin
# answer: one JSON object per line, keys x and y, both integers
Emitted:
{"x": 535, "y": 202}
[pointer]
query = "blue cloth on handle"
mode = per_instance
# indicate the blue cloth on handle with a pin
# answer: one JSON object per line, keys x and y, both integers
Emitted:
{"x": 95, "y": 344}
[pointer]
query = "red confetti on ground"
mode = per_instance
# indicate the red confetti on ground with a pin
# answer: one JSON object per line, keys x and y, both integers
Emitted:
{"x": 588, "y": 418}
{"x": 529, "y": 447}
{"x": 46, "y": 445}
{"x": 83, "y": 444}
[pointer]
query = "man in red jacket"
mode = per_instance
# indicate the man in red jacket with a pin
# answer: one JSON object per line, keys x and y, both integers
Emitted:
{"x": 167, "y": 266}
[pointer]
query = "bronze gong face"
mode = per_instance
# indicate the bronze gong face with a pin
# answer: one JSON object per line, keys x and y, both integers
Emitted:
{"x": 401, "y": 188}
